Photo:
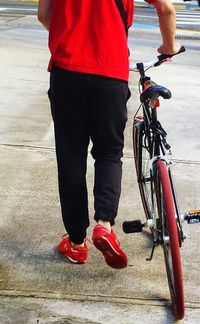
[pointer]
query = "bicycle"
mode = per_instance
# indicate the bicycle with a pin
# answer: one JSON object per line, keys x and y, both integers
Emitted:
{"x": 152, "y": 155}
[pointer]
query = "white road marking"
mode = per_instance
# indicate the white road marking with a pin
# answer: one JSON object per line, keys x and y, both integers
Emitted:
{"x": 18, "y": 9}
{"x": 188, "y": 23}
{"x": 143, "y": 16}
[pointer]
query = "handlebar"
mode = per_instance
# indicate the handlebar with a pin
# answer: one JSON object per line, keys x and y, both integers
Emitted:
{"x": 163, "y": 57}
{"x": 160, "y": 59}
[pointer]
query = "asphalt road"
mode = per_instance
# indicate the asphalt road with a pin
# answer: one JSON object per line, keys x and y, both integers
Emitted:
{"x": 185, "y": 19}
{"x": 17, "y": 7}
{"x": 145, "y": 18}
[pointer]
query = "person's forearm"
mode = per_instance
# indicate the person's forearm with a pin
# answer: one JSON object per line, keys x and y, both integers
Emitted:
{"x": 44, "y": 12}
{"x": 167, "y": 20}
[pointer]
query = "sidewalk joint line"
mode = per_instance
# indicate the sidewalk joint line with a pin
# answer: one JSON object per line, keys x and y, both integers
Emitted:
{"x": 93, "y": 298}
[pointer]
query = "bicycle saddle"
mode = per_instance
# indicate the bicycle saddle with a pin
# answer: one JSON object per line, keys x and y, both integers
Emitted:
{"x": 154, "y": 92}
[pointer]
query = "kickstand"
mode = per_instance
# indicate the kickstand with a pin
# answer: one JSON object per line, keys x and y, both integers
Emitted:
{"x": 155, "y": 243}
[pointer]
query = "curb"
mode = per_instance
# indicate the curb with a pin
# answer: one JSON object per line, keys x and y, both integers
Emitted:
{"x": 177, "y": 6}
{"x": 138, "y": 5}
{"x": 27, "y": 0}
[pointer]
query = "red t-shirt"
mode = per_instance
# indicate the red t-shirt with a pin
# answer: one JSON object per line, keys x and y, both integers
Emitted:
{"x": 89, "y": 36}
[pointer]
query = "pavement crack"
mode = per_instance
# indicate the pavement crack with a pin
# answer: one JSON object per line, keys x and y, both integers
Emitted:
{"x": 52, "y": 149}
{"x": 28, "y": 80}
{"x": 119, "y": 300}
{"x": 174, "y": 161}
{"x": 25, "y": 146}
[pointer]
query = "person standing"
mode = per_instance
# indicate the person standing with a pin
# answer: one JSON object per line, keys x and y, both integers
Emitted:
{"x": 89, "y": 71}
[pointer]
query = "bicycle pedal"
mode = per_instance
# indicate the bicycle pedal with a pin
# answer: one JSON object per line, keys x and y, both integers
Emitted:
{"x": 134, "y": 226}
{"x": 193, "y": 216}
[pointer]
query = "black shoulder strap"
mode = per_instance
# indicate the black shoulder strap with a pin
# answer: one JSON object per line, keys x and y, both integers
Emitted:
{"x": 121, "y": 9}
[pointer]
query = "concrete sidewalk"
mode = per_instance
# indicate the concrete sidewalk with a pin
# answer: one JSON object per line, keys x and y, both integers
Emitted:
{"x": 36, "y": 284}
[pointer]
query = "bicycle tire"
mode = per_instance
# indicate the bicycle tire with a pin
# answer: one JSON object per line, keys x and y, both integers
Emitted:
{"x": 170, "y": 230}
{"x": 151, "y": 192}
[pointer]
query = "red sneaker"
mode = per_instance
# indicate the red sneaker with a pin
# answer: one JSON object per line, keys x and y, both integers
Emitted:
{"x": 73, "y": 253}
{"x": 108, "y": 244}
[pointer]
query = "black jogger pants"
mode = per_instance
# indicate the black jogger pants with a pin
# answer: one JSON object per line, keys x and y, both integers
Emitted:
{"x": 84, "y": 107}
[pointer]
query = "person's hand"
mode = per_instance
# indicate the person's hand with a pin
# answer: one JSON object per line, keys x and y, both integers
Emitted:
{"x": 166, "y": 49}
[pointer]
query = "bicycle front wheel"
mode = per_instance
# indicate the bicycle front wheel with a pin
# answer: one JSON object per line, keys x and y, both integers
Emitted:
{"x": 170, "y": 237}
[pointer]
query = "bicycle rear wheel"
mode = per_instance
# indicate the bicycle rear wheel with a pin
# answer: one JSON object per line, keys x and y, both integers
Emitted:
{"x": 170, "y": 236}
{"x": 142, "y": 166}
